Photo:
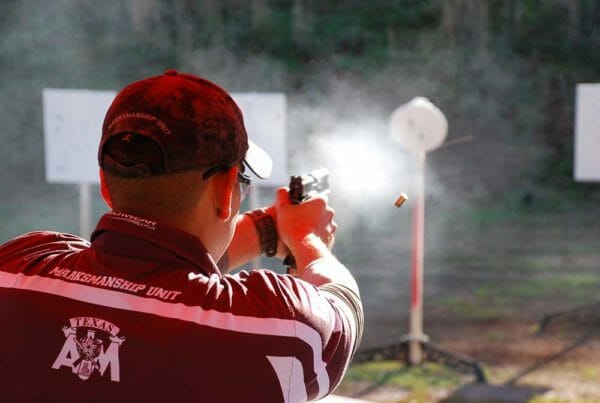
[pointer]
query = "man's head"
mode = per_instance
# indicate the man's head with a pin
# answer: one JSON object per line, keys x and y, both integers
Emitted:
{"x": 160, "y": 136}
{"x": 191, "y": 122}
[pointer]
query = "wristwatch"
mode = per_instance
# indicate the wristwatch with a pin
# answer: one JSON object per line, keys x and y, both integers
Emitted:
{"x": 267, "y": 232}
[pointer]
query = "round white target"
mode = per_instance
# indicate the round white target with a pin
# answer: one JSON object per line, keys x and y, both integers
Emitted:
{"x": 419, "y": 125}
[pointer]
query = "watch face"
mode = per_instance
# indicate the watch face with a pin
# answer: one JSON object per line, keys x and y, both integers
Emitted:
{"x": 419, "y": 125}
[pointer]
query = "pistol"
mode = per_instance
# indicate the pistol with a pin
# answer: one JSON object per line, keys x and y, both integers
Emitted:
{"x": 303, "y": 187}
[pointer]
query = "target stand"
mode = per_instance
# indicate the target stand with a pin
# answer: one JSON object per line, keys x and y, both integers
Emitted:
{"x": 588, "y": 314}
{"x": 430, "y": 352}
{"x": 421, "y": 127}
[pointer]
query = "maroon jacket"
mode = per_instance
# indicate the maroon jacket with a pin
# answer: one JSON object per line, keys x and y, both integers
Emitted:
{"x": 144, "y": 314}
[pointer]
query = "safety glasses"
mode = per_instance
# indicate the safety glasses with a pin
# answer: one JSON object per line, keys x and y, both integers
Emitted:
{"x": 244, "y": 180}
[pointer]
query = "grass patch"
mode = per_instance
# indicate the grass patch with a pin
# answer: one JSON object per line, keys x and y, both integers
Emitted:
{"x": 494, "y": 336}
{"x": 477, "y": 308}
{"x": 424, "y": 382}
{"x": 394, "y": 373}
{"x": 494, "y": 300}
{"x": 579, "y": 287}
{"x": 590, "y": 373}
{"x": 552, "y": 399}
{"x": 541, "y": 209}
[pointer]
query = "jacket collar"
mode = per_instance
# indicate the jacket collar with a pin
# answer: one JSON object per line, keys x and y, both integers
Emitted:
{"x": 178, "y": 242}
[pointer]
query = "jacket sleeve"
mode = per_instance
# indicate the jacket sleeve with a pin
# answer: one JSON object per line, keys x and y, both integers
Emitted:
{"x": 32, "y": 248}
{"x": 331, "y": 311}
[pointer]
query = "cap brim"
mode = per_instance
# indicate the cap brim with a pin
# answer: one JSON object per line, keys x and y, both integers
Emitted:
{"x": 258, "y": 161}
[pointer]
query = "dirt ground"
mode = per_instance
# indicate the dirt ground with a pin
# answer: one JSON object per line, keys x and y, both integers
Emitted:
{"x": 522, "y": 364}
{"x": 488, "y": 283}
{"x": 564, "y": 358}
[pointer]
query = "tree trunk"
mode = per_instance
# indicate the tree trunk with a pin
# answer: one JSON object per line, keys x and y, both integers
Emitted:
{"x": 573, "y": 7}
{"x": 212, "y": 13}
{"x": 260, "y": 13}
{"x": 466, "y": 22}
{"x": 183, "y": 30}
{"x": 448, "y": 22}
{"x": 144, "y": 14}
{"x": 301, "y": 21}
{"x": 480, "y": 13}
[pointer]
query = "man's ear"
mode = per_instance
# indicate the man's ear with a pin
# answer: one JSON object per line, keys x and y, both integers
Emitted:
{"x": 223, "y": 188}
{"x": 104, "y": 190}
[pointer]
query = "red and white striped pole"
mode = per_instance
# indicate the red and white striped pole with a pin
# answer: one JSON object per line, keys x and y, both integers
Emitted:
{"x": 416, "y": 335}
{"x": 421, "y": 127}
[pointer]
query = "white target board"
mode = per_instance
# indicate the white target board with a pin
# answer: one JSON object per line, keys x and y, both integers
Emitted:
{"x": 419, "y": 125}
{"x": 587, "y": 133}
{"x": 266, "y": 123}
{"x": 73, "y": 124}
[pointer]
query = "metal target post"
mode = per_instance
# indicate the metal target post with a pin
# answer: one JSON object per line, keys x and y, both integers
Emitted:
{"x": 85, "y": 210}
{"x": 416, "y": 335}
{"x": 421, "y": 127}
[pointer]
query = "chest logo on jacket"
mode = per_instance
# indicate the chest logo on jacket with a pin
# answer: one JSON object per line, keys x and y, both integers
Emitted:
{"x": 91, "y": 346}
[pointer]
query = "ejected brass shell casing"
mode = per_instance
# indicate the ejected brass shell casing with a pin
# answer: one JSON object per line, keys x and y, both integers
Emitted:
{"x": 401, "y": 199}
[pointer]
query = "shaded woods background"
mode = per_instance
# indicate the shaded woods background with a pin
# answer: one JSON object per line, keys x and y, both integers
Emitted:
{"x": 503, "y": 210}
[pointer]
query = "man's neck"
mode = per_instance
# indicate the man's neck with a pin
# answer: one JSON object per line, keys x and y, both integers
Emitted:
{"x": 185, "y": 222}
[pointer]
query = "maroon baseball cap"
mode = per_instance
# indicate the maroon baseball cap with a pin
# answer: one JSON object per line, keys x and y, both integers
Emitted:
{"x": 190, "y": 121}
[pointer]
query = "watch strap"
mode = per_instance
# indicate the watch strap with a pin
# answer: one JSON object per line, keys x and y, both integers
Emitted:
{"x": 267, "y": 232}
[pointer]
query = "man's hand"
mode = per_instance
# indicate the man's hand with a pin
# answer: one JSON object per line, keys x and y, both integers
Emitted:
{"x": 303, "y": 224}
{"x": 305, "y": 230}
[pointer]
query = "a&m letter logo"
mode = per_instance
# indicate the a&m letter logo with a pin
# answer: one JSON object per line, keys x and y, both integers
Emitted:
{"x": 91, "y": 345}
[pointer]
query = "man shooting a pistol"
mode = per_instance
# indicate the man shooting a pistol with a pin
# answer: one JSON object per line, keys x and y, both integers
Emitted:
{"x": 144, "y": 312}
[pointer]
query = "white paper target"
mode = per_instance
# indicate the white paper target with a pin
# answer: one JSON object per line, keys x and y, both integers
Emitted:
{"x": 72, "y": 128}
{"x": 419, "y": 125}
{"x": 73, "y": 124}
{"x": 266, "y": 124}
{"x": 587, "y": 133}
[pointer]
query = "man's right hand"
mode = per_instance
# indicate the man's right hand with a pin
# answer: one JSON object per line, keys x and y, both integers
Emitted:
{"x": 308, "y": 228}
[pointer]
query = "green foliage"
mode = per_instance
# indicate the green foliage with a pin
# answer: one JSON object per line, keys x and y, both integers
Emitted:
{"x": 506, "y": 79}
{"x": 502, "y": 299}
{"x": 542, "y": 31}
